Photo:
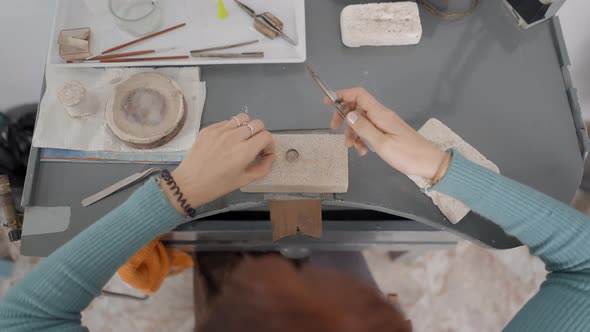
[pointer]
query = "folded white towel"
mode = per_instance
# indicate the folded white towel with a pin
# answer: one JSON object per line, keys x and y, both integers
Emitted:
{"x": 438, "y": 133}
{"x": 381, "y": 24}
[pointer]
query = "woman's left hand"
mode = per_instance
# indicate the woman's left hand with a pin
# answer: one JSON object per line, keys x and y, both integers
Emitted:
{"x": 226, "y": 156}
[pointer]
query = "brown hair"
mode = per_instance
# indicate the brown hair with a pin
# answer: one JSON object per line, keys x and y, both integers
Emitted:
{"x": 270, "y": 294}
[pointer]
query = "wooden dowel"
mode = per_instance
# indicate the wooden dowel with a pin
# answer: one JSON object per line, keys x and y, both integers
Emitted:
{"x": 145, "y": 59}
{"x": 143, "y": 38}
{"x": 121, "y": 55}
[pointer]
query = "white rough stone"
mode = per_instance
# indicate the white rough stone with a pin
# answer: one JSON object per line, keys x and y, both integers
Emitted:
{"x": 321, "y": 166}
{"x": 444, "y": 138}
{"x": 381, "y": 24}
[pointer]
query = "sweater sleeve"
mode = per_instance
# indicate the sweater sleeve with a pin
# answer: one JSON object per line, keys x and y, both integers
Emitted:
{"x": 52, "y": 296}
{"x": 556, "y": 233}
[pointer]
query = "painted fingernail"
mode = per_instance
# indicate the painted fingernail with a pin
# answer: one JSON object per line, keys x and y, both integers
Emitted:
{"x": 352, "y": 117}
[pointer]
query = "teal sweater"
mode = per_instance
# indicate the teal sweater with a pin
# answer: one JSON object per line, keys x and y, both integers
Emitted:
{"x": 52, "y": 296}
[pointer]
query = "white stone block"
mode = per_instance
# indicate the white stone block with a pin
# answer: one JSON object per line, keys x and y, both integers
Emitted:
{"x": 444, "y": 138}
{"x": 319, "y": 165}
{"x": 381, "y": 24}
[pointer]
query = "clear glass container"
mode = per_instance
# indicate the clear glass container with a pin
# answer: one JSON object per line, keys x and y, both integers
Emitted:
{"x": 138, "y": 17}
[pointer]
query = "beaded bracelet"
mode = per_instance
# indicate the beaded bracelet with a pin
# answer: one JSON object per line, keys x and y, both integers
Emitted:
{"x": 167, "y": 178}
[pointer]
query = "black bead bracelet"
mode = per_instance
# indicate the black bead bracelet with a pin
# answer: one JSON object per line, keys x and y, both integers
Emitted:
{"x": 167, "y": 178}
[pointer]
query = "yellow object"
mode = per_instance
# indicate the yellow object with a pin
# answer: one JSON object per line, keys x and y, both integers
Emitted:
{"x": 147, "y": 269}
{"x": 221, "y": 11}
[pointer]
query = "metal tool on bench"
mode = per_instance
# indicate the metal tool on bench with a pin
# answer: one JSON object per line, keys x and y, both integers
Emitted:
{"x": 336, "y": 101}
{"x": 201, "y": 52}
{"x": 266, "y": 21}
{"x": 126, "y": 182}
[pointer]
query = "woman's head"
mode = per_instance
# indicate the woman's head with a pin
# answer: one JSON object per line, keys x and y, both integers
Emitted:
{"x": 269, "y": 294}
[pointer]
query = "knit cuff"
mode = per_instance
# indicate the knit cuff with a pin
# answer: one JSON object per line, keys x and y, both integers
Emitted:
{"x": 465, "y": 180}
{"x": 149, "y": 197}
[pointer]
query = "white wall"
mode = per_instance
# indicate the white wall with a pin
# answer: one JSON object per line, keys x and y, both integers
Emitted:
{"x": 576, "y": 29}
{"x": 25, "y": 27}
{"x": 24, "y": 36}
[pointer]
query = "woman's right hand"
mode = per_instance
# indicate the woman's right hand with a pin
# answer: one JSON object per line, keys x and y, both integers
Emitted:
{"x": 392, "y": 138}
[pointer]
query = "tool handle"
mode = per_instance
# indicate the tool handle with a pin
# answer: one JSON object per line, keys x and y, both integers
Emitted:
{"x": 120, "y": 55}
{"x": 128, "y": 181}
{"x": 143, "y": 38}
{"x": 175, "y": 57}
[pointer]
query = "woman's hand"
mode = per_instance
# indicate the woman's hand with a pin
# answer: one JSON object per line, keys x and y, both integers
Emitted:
{"x": 224, "y": 157}
{"x": 392, "y": 138}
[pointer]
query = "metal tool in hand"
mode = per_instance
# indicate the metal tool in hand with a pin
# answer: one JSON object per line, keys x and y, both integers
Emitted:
{"x": 128, "y": 181}
{"x": 264, "y": 20}
{"x": 336, "y": 101}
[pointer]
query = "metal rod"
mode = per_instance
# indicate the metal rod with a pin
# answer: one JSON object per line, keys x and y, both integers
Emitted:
{"x": 225, "y": 47}
{"x": 230, "y": 55}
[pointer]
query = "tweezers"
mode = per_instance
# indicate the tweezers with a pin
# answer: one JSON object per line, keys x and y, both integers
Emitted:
{"x": 126, "y": 182}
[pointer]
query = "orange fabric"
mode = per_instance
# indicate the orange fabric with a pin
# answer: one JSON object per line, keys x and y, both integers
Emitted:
{"x": 147, "y": 269}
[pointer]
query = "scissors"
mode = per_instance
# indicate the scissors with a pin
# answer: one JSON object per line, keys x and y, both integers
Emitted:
{"x": 262, "y": 19}
{"x": 336, "y": 101}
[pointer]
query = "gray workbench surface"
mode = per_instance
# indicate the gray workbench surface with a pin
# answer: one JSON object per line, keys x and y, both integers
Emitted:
{"x": 498, "y": 87}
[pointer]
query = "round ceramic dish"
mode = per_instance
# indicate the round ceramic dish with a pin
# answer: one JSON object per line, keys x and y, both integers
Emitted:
{"x": 146, "y": 111}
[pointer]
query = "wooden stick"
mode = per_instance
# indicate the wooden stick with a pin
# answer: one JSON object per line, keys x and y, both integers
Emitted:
{"x": 144, "y": 59}
{"x": 143, "y": 38}
{"x": 121, "y": 55}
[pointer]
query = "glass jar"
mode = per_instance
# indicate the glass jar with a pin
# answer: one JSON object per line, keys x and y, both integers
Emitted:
{"x": 138, "y": 17}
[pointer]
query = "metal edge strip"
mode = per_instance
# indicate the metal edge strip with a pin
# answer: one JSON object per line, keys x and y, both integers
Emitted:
{"x": 571, "y": 92}
{"x": 33, "y": 161}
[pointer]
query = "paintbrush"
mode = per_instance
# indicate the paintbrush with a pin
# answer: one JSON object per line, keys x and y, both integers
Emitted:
{"x": 110, "y": 50}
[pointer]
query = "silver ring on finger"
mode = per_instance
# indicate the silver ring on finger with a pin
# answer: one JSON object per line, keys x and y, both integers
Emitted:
{"x": 249, "y": 125}
{"x": 237, "y": 120}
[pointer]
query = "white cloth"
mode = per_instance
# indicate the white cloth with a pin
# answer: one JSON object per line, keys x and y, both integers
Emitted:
{"x": 56, "y": 129}
{"x": 438, "y": 133}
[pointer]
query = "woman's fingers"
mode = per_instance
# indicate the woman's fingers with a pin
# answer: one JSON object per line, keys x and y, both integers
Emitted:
{"x": 216, "y": 125}
{"x": 359, "y": 98}
{"x": 247, "y": 131}
{"x": 260, "y": 154}
{"x": 260, "y": 167}
{"x": 366, "y": 129}
{"x": 337, "y": 121}
{"x": 349, "y": 137}
{"x": 236, "y": 121}
{"x": 360, "y": 146}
